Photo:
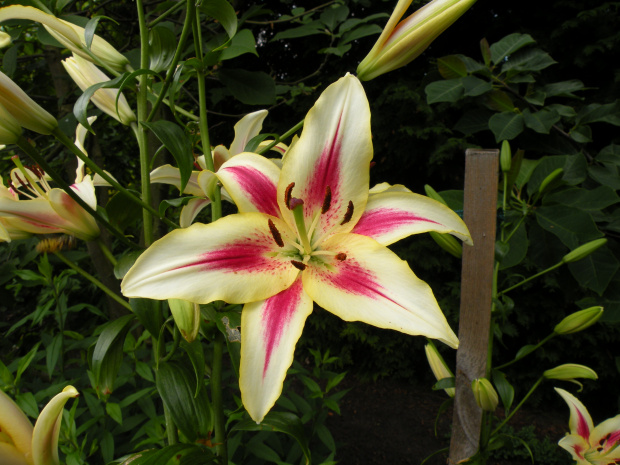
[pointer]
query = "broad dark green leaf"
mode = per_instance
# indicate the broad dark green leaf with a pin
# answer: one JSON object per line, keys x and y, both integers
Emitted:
{"x": 541, "y": 121}
{"x": 125, "y": 262}
{"x": 596, "y": 270}
{"x": 177, "y": 143}
{"x": 450, "y": 90}
{"x": 474, "y": 121}
{"x": 451, "y": 67}
{"x": 162, "y": 45}
{"x": 223, "y": 12}
{"x": 581, "y": 134}
{"x": 313, "y": 28}
{"x": 196, "y": 355}
{"x": 52, "y": 353}
{"x": 149, "y": 313}
{"x": 527, "y": 61}
{"x": 572, "y": 227}
{"x": 123, "y": 212}
{"x": 590, "y": 200}
{"x": 609, "y": 154}
{"x": 506, "y": 125}
{"x": 252, "y": 88}
{"x": 544, "y": 168}
{"x": 597, "y": 113}
{"x": 364, "y": 30}
{"x": 243, "y": 42}
{"x": 518, "y": 248}
{"x": 607, "y": 175}
{"x": 9, "y": 60}
{"x": 563, "y": 88}
{"x": 499, "y": 101}
{"x": 168, "y": 453}
{"x": 508, "y": 45}
{"x": 334, "y": 15}
{"x": 474, "y": 86}
{"x": 504, "y": 389}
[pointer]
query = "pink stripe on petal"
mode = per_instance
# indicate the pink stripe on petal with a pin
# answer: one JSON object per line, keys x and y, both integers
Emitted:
{"x": 582, "y": 425}
{"x": 380, "y": 221}
{"x": 611, "y": 441}
{"x": 259, "y": 189}
{"x": 277, "y": 313}
{"x": 578, "y": 450}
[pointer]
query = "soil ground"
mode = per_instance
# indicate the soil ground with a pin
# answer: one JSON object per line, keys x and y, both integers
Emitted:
{"x": 390, "y": 422}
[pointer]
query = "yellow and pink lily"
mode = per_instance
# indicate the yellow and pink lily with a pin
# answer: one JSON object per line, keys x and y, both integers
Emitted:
{"x": 587, "y": 444}
{"x": 307, "y": 232}
{"x": 20, "y": 443}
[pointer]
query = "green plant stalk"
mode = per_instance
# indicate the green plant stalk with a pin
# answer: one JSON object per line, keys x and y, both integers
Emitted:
{"x": 171, "y": 428}
{"x": 545, "y": 340}
{"x": 529, "y": 393}
{"x": 284, "y": 136}
{"x": 165, "y": 14}
{"x": 106, "y": 177}
{"x": 93, "y": 280}
{"x": 187, "y": 27}
{"x": 526, "y": 280}
{"x": 39, "y": 160}
{"x": 104, "y": 249}
{"x": 216, "y": 395}
{"x": 145, "y": 176}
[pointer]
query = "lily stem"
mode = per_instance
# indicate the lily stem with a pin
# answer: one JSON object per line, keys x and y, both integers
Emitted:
{"x": 527, "y": 396}
{"x": 526, "y": 280}
{"x": 284, "y": 136}
{"x": 549, "y": 337}
{"x": 93, "y": 280}
{"x": 104, "y": 249}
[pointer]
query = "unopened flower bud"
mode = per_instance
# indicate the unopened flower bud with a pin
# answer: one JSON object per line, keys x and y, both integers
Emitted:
{"x": 578, "y": 321}
{"x": 448, "y": 243}
{"x": 570, "y": 371}
{"x": 402, "y": 42}
{"x": 583, "y": 250}
{"x": 5, "y": 39}
{"x": 186, "y": 316}
{"x": 10, "y": 130}
{"x": 505, "y": 156}
{"x": 24, "y": 110}
{"x": 438, "y": 366}
{"x": 485, "y": 394}
{"x": 554, "y": 175}
{"x": 432, "y": 193}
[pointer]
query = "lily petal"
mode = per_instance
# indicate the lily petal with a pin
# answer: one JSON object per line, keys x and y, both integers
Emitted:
{"x": 251, "y": 180}
{"x": 391, "y": 216}
{"x": 607, "y": 436}
{"x": 78, "y": 220}
{"x": 47, "y": 428}
{"x": 9, "y": 455}
{"x": 370, "y": 283}
{"x": 246, "y": 128}
{"x": 168, "y": 174}
{"x": 334, "y": 151}
{"x": 15, "y": 424}
{"x": 269, "y": 331}
{"x": 190, "y": 211}
{"x": 580, "y": 421}
{"x": 231, "y": 259}
{"x": 577, "y": 446}
{"x": 34, "y": 216}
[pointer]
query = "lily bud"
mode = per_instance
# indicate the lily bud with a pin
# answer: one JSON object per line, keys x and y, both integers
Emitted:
{"x": 554, "y": 175}
{"x": 24, "y": 110}
{"x": 448, "y": 243}
{"x": 583, "y": 250}
{"x": 432, "y": 193}
{"x": 10, "y": 130}
{"x": 85, "y": 74}
{"x": 485, "y": 394}
{"x": 578, "y": 321}
{"x": 438, "y": 366}
{"x": 5, "y": 39}
{"x": 505, "y": 156}
{"x": 570, "y": 371}
{"x": 402, "y": 42}
{"x": 186, "y": 316}
{"x": 69, "y": 35}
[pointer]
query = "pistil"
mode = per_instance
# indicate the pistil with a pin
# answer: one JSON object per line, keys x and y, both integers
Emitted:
{"x": 29, "y": 182}
{"x": 297, "y": 206}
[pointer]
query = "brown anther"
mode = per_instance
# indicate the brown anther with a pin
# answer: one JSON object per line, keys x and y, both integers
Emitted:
{"x": 197, "y": 166}
{"x": 36, "y": 169}
{"x": 275, "y": 233}
{"x": 341, "y": 256}
{"x": 349, "y": 214}
{"x": 299, "y": 265}
{"x": 21, "y": 181}
{"x": 288, "y": 193}
{"x": 327, "y": 200}
{"x": 373, "y": 163}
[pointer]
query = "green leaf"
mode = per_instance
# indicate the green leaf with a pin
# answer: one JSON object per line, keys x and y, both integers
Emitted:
{"x": 597, "y": 113}
{"x": 508, "y": 45}
{"x": 326, "y": 437}
{"x": 525, "y": 350}
{"x": 223, "y": 13}
{"x": 572, "y": 227}
{"x": 364, "y": 30}
{"x": 607, "y": 175}
{"x": 451, "y": 67}
{"x": 450, "y": 90}
{"x": 162, "y": 46}
{"x": 473, "y": 121}
{"x": 252, "y": 88}
{"x": 81, "y": 104}
{"x": 589, "y": 200}
{"x": 313, "y": 28}
{"x": 52, "y": 353}
{"x": 282, "y": 422}
{"x": 506, "y": 125}
{"x": 89, "y": 30}
{"x": 542, "y": 121}
{"x": 27, "y": 403}
{"x": 242, "y": 43}
{"x": 499, "y": 101}
{"x": 596, "y": 270}
{"x": 474, "y": 86}
{"x": 196, "y": 355}
{"x": 123, "y": 212}
{"x": 25, "y": 362}
{"x": 334, "y": 15}
{"x": 149, "y": 313}
{"x": 114, "y": 411}
{"x": 108, "y": 353}
{"x": 125, "y": 262}
{"x": 581, "y": 134}
{"x": 609, "y": 154}
{"x": 528, "y": 60}
{"x": 165, "y": 455}
{"x": 518, "y": 248}
{"x": 562, "y": 110}
{"x": 9, "y": 60}
{"x": 563, "y": 88}
{"x": 504, "y": 389}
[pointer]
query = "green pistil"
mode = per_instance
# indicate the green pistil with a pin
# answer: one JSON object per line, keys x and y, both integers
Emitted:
{"x": 298, "y": 214}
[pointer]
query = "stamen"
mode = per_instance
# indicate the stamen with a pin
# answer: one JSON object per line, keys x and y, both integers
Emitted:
{"x": 299, "y": 265}
{"x": 349, "y": 214}
{"x": 287, "y": 194}
{"x": 275, "y": 233}
{"x": 21, "y": 181}
{"x": 341, "y": 256}
{"x": 327, "y": 200}
{"x": 294, "y": 203}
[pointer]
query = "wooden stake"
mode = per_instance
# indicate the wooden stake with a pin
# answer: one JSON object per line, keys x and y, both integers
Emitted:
{"x": 480, "y": 210}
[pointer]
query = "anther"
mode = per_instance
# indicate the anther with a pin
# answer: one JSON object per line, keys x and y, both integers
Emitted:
{"x": 299, "y": 265}
{"x": 287, "y": 194}
{"x": 349, "y": 214}
{"x": 341, "y": 256}
{"x": 21, "y": 181}
{"x": 327, "y": 200}
{"x": 373, "y": 163}
{"x": 197, "y": 166}
{"x": 275, "y": 233}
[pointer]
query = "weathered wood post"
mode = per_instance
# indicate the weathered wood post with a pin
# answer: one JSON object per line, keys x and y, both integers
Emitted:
{"x": 479, "y": 212}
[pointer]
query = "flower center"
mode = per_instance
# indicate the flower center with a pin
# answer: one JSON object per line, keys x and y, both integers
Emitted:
{"x": 28, "y": 181}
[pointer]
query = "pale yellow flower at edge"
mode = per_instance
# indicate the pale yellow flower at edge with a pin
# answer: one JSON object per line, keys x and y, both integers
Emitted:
{"x": 20, "y": 443}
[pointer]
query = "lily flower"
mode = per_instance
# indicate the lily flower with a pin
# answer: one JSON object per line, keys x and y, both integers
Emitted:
{"x": 69, "y": 35}
{"x": 23, "y": 109}
{"x": 85, "y": 74}
{"x": 309, "y": 231}
{"x": 402, "y": 42}
{"x": 20, "y": 443}
{"x": 5, "y": 39}
{"x": 587, "y": 444}
{"x": 10, "y": 130}
{"x": 201, "y": 180}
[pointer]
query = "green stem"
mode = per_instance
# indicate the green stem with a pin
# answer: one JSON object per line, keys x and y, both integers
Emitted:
{"x": 93, "y": 280}
{"x": 165, "y": 14}
{"x": 104, "y": 249}
{"x": 549, "y": 337}
{"x": 557, "y": 265}
{"x": 171, "y": 428}
{"x": 530, "y": 392}
{"x": 39, "y": 160}
{"x": 62, "y": 138}
{"x": 145, "y": 176}
{"x": 216, "y": 396}
{"x": 284, "y": 136}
